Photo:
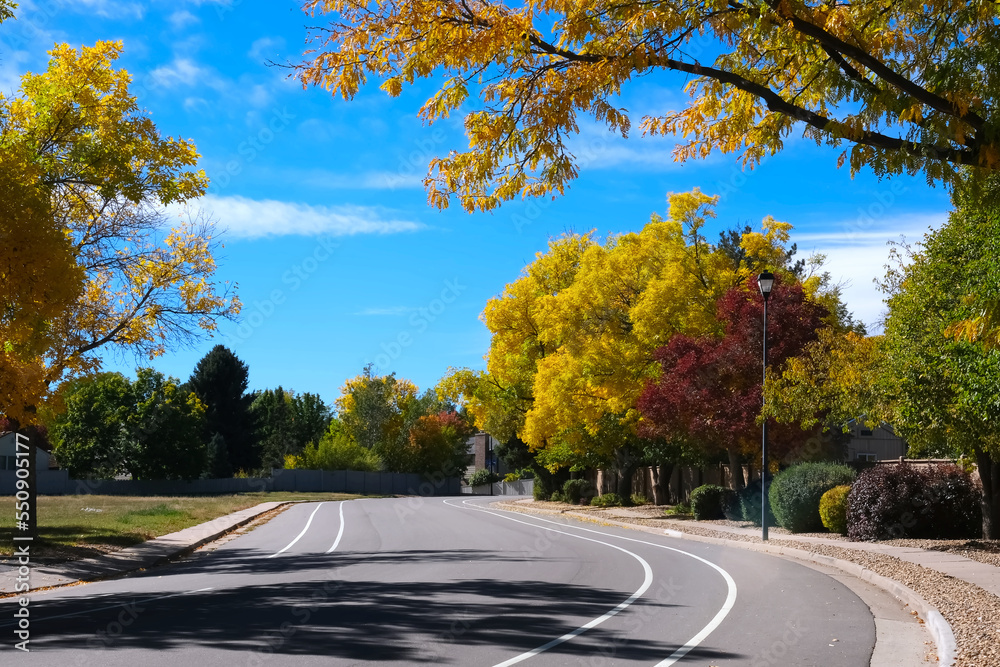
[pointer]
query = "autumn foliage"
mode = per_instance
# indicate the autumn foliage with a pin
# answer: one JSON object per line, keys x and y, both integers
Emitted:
{"x": 709, "y": 391}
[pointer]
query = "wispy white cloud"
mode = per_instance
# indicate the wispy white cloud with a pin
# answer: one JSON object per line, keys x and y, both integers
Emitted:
{"x": 186, "y": 73}
{"x": 245, "y": 218}
{"x": 183, "y": 18}
{"x": 394, "y": 311}
{"x": 109, "y": 8}
{"x": 266, "y": 48}
{"x": 857, "y": 255}
{"x": 369, "y": 180}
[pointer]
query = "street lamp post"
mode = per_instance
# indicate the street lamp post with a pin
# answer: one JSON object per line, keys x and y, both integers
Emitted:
{"x": 765, "y": 282}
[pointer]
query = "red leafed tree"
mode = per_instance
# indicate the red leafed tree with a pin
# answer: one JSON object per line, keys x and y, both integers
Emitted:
{"x": 709, "y": 391}
{"x": 437, "y": 443}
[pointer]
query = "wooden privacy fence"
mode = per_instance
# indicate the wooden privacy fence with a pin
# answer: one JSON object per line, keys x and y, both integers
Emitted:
{"x": 57, "y": 483}
{"x": 685, "y": 479}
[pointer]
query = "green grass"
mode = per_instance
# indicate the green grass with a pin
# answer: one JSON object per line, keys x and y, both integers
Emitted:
{"x": 81, "y": 526}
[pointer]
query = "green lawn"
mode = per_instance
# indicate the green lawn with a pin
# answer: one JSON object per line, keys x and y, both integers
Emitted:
{"x": 73, "y": 527}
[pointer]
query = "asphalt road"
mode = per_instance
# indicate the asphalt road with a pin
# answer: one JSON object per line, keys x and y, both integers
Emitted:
{"x": 451, "y": 581}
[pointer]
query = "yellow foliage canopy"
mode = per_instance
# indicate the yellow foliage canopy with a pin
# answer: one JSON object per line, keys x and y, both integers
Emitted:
{"x": 904, "y": 86}
{"x": 85, "y": 175}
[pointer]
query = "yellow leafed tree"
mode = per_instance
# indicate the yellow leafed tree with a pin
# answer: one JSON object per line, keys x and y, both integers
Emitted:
{"x": 77, "y": 144}
{"x": 574, "y": 338}
{"x": 898, "y": 86}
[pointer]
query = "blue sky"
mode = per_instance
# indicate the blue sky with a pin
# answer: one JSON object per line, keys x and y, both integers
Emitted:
{"x": 338, "y": 258}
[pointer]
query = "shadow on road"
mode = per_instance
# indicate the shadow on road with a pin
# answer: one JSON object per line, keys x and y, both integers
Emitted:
{"x": 331, "y": 611}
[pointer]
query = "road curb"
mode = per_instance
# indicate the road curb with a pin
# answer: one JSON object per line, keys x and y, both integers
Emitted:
{"x": 937, "y": 626}
{"x": 147, "y": 554}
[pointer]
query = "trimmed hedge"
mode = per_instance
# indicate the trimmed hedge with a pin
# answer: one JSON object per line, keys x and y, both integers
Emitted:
{"x": 711, "y": 501}
{"x": 795, "y": 493}
{"x": 902, "y": 501}
{"x": 833, "y": 509}
{"x": 575, "y": 490}
{"x": 607, "y": 500}
{"x": 483, "y": 476}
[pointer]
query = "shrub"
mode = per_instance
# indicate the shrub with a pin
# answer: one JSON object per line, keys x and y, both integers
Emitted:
{"x": 795, "y": 493}
{"x": 679, "y": 508}
{"x": 483, "y": 476}
{"x": 335, "y": 452}
{"x": 639, "y": 499}
{"x": 833, "y": 509}
{"x": 557, "y": 497}
{"x": 710, "y": 501}
{"x": 574, "y": 490}
{"x": 750, "y": 502}
{"x": 896, "y": 501}
{"x": 607, "y": 500}
{"x": 539, "y": 492}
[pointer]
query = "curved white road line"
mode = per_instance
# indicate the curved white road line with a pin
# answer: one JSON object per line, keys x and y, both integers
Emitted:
{"x": 340, "y": 533}
{"x": 299, "y": 537}
{"x": 647, "y": 581}
{"x": 707, "y": 630}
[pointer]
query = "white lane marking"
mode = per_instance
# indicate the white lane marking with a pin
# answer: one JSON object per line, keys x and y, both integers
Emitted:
{"x": 340, "y": 533}
{"x": 716, "y": 621}
{"x": 647, "y": 581}
{"x": 292, "y": 543}
{"x": 114, "y": 606}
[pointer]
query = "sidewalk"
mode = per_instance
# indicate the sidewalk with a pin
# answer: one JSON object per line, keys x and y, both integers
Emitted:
{"x": 147, "y": 554}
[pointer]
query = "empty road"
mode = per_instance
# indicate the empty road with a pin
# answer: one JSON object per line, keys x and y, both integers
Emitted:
{"x": 451, "y": 581}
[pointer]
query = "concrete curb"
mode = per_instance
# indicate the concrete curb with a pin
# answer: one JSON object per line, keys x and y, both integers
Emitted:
{"x": 147, "y": 554}
{"x": 937, "y": 626}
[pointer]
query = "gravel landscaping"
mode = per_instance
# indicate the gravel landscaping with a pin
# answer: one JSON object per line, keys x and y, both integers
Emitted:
{"x": 973, "y": 613}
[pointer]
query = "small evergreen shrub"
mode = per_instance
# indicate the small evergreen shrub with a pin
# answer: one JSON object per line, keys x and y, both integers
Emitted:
{"x": 710, "y": 501}
{"x": 896, "y": 501}
{"x": 795, "y": 493}
{"x": 483, "y": 476}
{"x": 607, "y": 500}
{"x": 639, "y": 499}
{"x": 750, "y": 505}
{"x": 833, "y": 509}
{"x": 557, "y": 497}
{"x": 574, "y": 490}
{"x": 539, "y": 492}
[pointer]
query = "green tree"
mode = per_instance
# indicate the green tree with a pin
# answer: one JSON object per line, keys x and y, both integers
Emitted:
{"x": 217, "y": 455}
{"x": 901, "y": 87}
{"x": 941, "y": 394}
{"x": 149, "y": 428}
{"x": 377, "y": 413}
{"x": 335, "y": 451}
{"x": 220, "y": 381}
{"x": 286, "y": 423}
{"x": 166, "y": 428}
{"x": 90, "y": 436}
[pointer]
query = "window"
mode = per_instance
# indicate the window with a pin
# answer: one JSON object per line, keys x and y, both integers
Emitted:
{"x": 865, "y": 432}
{"x": 867, "y": 456}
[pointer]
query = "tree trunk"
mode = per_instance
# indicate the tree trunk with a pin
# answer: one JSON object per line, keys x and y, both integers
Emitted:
{"x": 661, "y": 483}
{"x": 625, "y": 475}
{"x": 735, "y": 469}
{"x": 989, "y": 473}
